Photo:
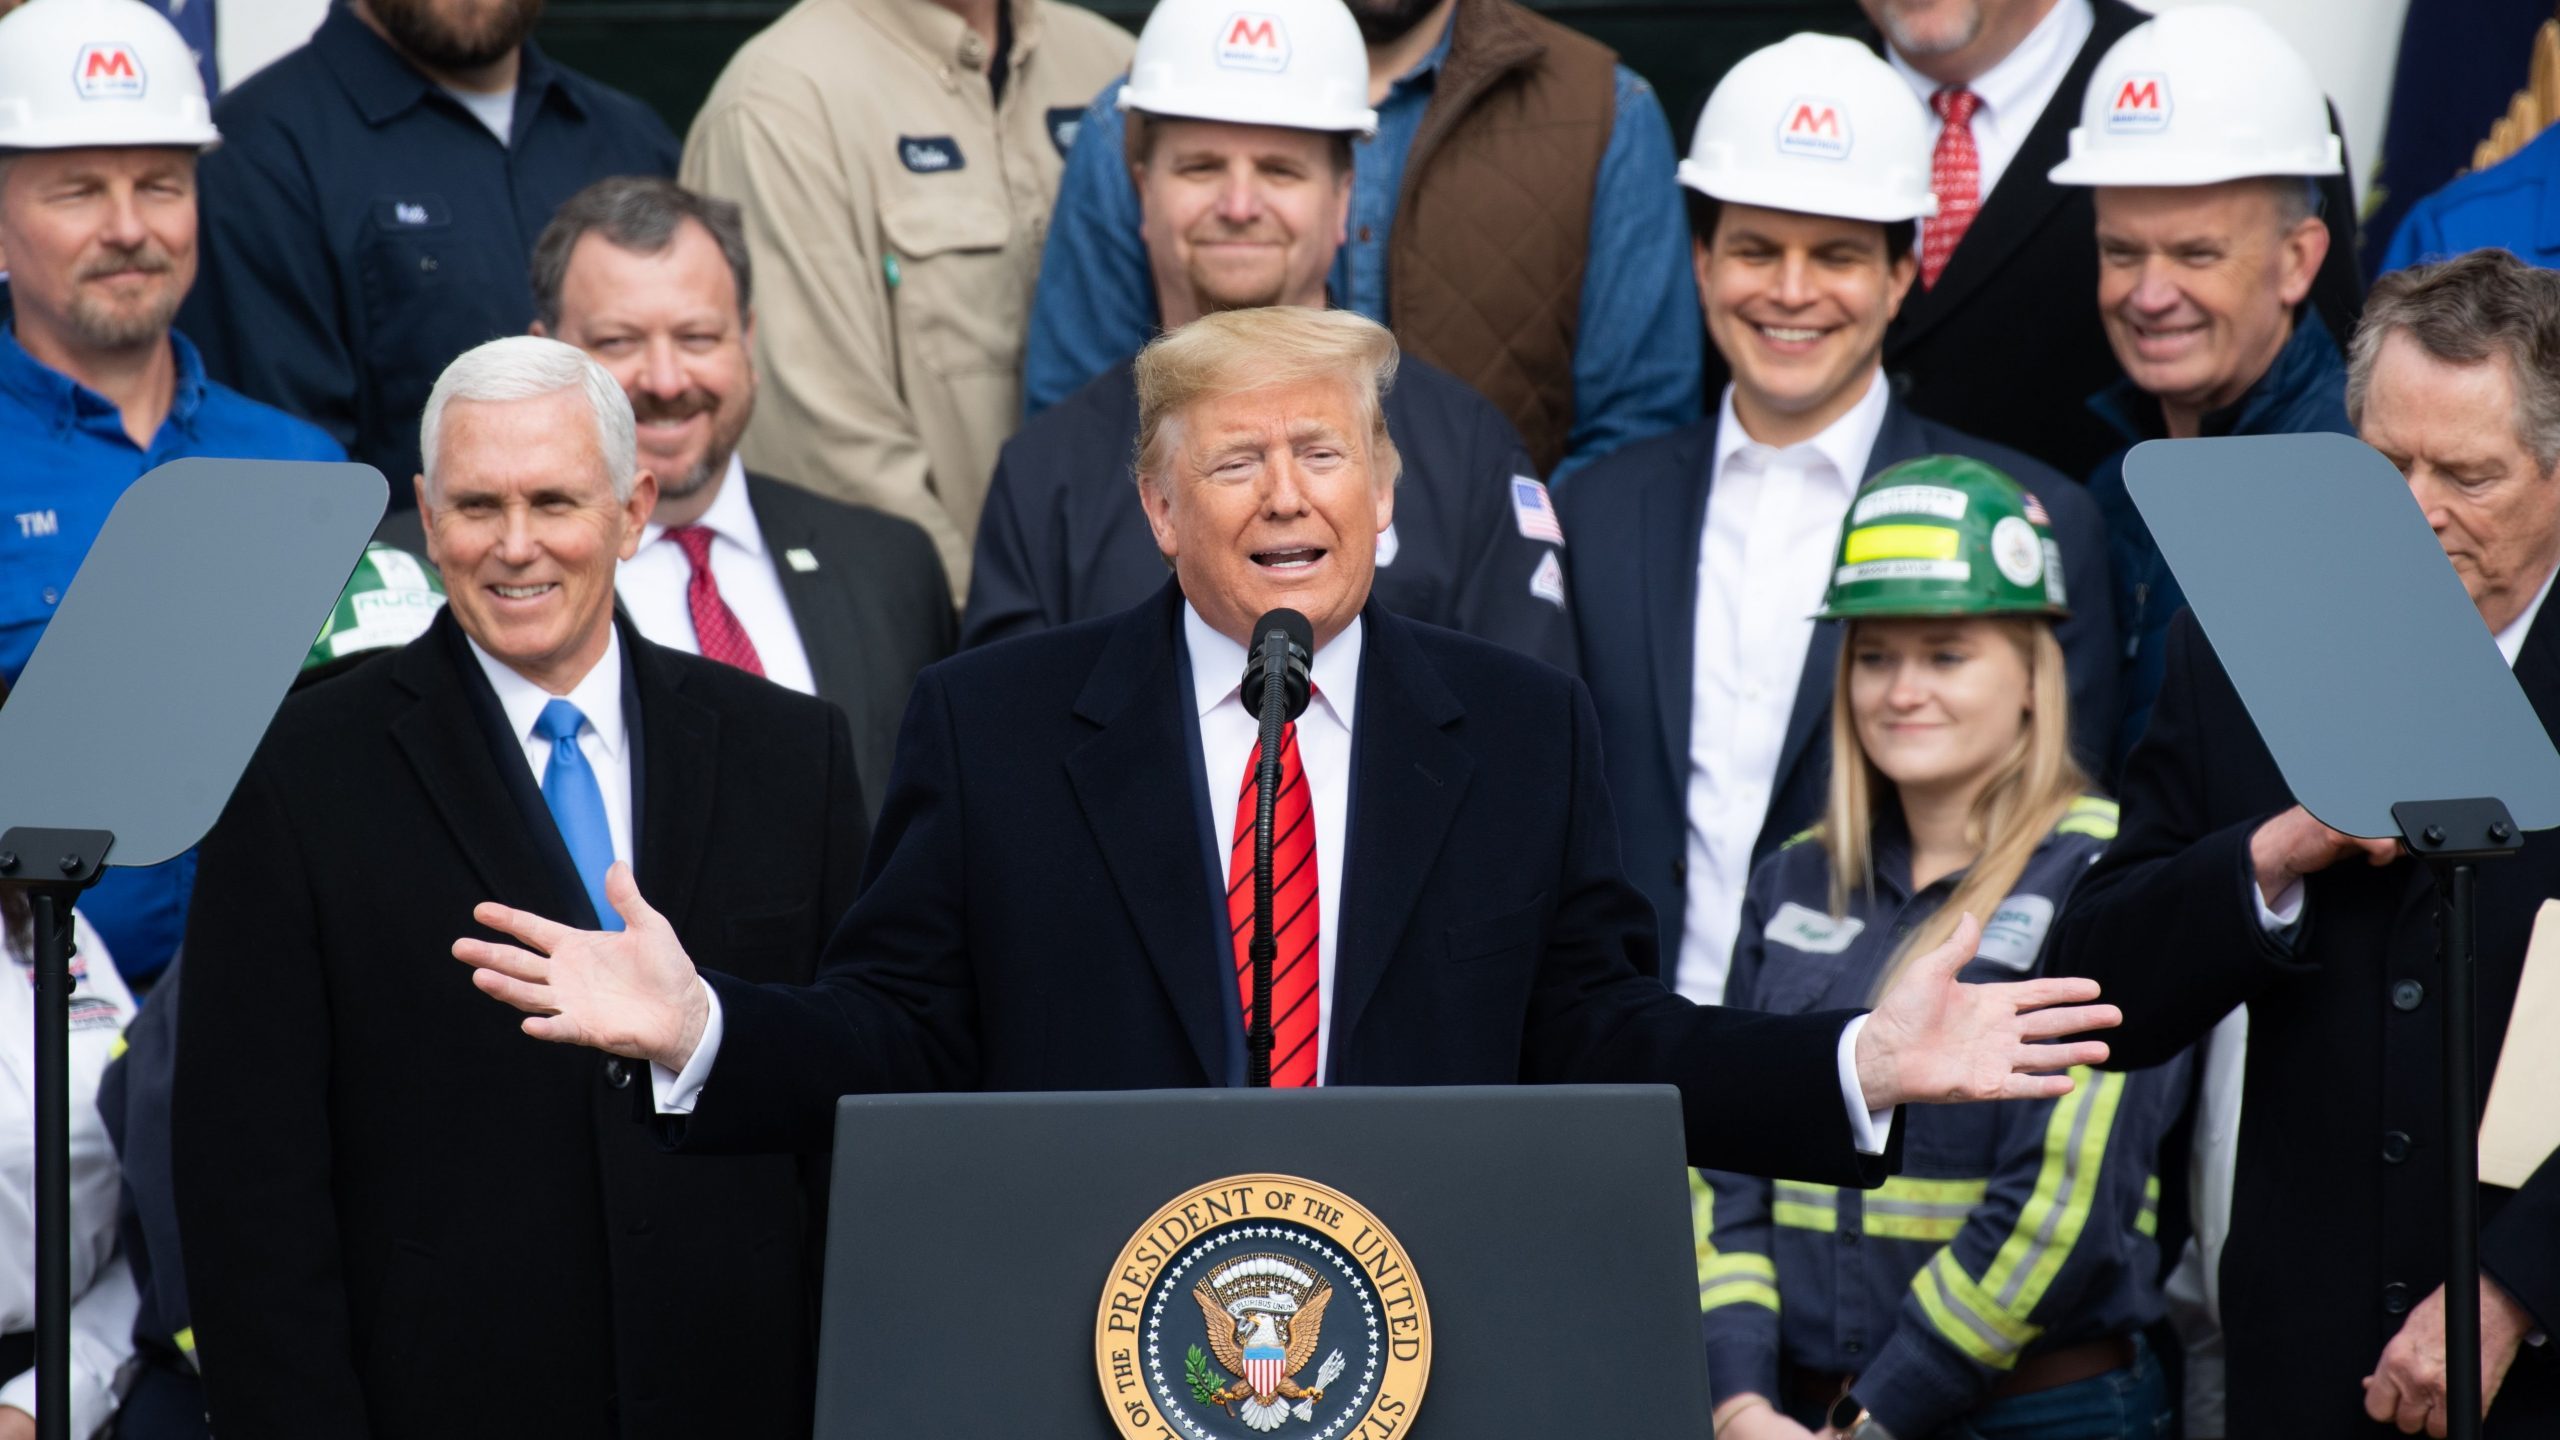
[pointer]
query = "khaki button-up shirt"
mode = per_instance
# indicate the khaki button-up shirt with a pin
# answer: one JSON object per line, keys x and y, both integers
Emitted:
{"x": 895, "y": 214}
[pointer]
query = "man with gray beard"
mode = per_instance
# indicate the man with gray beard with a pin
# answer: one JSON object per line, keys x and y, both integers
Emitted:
{"x": 370, "y": 214}
{"x": 98, "y": 242}
{"x": 2000, "y": 338}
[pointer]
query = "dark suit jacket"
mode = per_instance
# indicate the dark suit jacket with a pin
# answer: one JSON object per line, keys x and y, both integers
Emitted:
{"x": 2338, "y": 1207}
{"x": 1039, "y": 912}
{"x": 872, "y": 609}
{"x": 2007, "y": 345}
{"x": 1638, "y": 618}
{"x": 400, "y": 1215}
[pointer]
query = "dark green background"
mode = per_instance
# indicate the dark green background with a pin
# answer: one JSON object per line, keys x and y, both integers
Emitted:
{"x": 669, "y": 51}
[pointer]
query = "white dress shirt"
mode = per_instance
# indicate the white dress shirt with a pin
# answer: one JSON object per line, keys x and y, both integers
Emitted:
{"x": 603, "y": 738}
{"x": 1764, "y": 558}
{"x": 1228, "y": 733}
{"x": 2013, "y": 93}
{"x": 653, "y": 582}
{"x": 103, "y": 1299}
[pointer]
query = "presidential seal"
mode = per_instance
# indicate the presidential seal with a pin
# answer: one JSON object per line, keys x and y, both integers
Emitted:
{"x": 1262, "y": 1305}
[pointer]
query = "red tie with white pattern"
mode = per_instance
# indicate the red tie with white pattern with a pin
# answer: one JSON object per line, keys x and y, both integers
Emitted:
{"x": 715, "y": 625}
{"x": 1955, "y": 173}
{"x": 1293, "y": 913}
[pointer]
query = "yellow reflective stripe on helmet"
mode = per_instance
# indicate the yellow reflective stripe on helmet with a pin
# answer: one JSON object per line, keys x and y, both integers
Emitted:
{"x": 1803, "y": 1206}
{"x": 1906, "y": 1208}
{"x": 2075, "y": 1149}
{"x": 1959, "y": 1310}
{"x": 1901, "y": 542}
{"x": 1737, "y": 1278}
{"x": 2147, "y": 1221}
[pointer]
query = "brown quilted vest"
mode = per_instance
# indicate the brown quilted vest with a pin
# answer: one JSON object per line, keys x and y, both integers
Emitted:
{"x": 1484, "y": 271}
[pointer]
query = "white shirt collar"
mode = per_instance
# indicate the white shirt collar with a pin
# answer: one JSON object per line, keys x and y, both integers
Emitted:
{"x": 1217, "y": 669}
{"x": 2033, "y": 68}
{"x": 1844, "y": 444}
{"x": 732, "y": 517}
{"x": 598, "y": 696}
{"x": 2511, "y": 639}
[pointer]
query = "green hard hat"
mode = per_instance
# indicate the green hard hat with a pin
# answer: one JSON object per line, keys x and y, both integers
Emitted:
{"x": 388, "y": 602}
{"x": 1944, "y": 535}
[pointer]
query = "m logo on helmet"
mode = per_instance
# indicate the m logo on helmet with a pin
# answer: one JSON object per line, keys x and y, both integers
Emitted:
{"x": 1814, "y": 127}
{"x": 1252, "y": 40}
{"x": 2140, "y": 105}
{"x": 108, "y": 71}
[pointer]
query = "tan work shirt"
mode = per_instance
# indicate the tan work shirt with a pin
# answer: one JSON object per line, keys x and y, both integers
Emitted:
{"x": 895, "y": 214}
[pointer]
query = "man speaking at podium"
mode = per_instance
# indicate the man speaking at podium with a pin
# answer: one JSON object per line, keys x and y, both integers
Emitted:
{"x": 1060, "y": 889}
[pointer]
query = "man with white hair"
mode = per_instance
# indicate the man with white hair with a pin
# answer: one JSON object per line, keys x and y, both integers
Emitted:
{"x": 391, "y": 1203}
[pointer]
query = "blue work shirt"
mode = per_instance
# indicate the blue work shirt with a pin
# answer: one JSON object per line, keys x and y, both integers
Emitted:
{"x": 360, "y": 228}
{"x": 2302, "y": 393}
{"x": 1635, "y": 373}
{"x": 69, "y": 462}
{"x": 2513, "y": 205}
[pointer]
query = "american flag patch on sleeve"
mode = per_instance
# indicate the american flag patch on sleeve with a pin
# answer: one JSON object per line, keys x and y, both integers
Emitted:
{"x": 1536, "y": 513}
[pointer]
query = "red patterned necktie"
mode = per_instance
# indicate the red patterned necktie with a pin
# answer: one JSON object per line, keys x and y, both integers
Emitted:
{"x": 1955, "y": 173}
{"x": 715, "y": 625}
{"x": 1293, "y": 913}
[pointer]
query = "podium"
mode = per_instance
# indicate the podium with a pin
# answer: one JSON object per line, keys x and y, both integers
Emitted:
{"x": 1512, "y": 1260}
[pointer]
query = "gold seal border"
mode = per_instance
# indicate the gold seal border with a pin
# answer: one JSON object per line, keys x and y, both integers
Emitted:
{"x": 1120, "y": 1367}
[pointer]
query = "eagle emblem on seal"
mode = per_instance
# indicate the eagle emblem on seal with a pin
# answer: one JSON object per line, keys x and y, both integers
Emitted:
{"x": 1265, "y": 1314}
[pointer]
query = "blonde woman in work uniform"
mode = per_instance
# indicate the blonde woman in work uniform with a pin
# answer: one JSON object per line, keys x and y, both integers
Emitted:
{"x": 1997, "y": 1288}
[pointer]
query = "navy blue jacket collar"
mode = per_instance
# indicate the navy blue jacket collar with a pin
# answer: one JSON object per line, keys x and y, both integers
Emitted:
{"x": 383, "y": 86}
{"x": 2304, "y": 390}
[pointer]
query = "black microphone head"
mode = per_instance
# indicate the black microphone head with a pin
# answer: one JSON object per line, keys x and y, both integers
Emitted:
{"x": 1289, "y": 639}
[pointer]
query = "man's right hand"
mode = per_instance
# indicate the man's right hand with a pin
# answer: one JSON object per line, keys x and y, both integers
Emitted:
{"x": 2293, "y": 845}
{"x": 631, "y": 992}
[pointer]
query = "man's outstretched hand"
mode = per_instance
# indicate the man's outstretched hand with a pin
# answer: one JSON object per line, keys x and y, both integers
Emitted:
{"x": 631, "y": 992}
{"x": 1935, "y": 1039}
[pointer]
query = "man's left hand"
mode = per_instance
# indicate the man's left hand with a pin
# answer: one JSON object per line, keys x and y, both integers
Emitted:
{"x": 2407, "y": 1388}
{"x": 1935, "y": 1039}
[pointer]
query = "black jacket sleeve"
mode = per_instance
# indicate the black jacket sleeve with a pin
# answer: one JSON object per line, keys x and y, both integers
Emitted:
{"x": 251, "y": 1137}
{"x": 1498, "y": 583}
{"x": 2164, "y": 922}
{"x": 2520, "y": 1249}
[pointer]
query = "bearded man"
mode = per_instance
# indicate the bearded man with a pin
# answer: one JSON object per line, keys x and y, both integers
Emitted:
{"x": 371, "y": 216}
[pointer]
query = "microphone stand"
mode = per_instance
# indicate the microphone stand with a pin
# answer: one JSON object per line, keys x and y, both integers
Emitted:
{"x": 1274, "y": 710}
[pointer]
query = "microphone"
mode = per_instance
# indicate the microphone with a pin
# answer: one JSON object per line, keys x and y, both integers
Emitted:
{"x": 1282, "y": 639}
{"x": 1275, "y": 687}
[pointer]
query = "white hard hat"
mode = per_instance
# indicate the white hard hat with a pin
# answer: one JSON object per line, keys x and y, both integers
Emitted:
{"x": 1818, "y": 125}
{"x": 1298, "y": 63}
{"x": 2196, "y": 97}
{"x": 76, "y": 73}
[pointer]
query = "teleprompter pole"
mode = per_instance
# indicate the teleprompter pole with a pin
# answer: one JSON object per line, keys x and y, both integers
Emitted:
{"x": 2452, "y": 836}
{"x": 53, "y": 867}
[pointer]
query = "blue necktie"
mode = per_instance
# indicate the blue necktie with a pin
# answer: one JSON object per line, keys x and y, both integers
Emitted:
{"x": 577, "y": 805}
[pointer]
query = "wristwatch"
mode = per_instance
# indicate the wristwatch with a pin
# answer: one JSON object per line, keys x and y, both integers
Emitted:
{"x": 1852, "y": 1422}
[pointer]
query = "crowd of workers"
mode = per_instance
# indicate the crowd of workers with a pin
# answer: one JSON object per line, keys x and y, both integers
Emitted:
{"x": 1802, "y": 449}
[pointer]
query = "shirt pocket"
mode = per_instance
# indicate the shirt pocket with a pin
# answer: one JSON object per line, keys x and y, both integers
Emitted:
{"x": 958, "y": 300}
{"x": 430, "y": 291}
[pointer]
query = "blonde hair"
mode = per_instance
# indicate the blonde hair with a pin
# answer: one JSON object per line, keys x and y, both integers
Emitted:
{"x": 1237, "y": 351}
{"x": 2027, "y": 796}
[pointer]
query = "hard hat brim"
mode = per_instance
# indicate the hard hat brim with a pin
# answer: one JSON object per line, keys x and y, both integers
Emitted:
{"x": 1949, "y": 610}
{"x": 1839, "y": 202}
{"x": 1170, "y": 104}
{"x": 2104, "y": 166}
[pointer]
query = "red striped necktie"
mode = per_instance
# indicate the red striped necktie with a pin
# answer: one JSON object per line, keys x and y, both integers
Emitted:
{"x": 1955, "y": 174}
{"x": 715, "y": 625}
{"x": 1293, "y": 913}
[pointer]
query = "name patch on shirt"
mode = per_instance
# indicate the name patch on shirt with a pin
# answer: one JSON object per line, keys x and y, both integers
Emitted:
{"x": 1064, "y": 122}
{"x": 38, "y": 524}
{"x": 930, "y": 154}
{"x": 411, "y": 212}
{"x": 1800, "y": 927}
{"x": 2014, "y": 935}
